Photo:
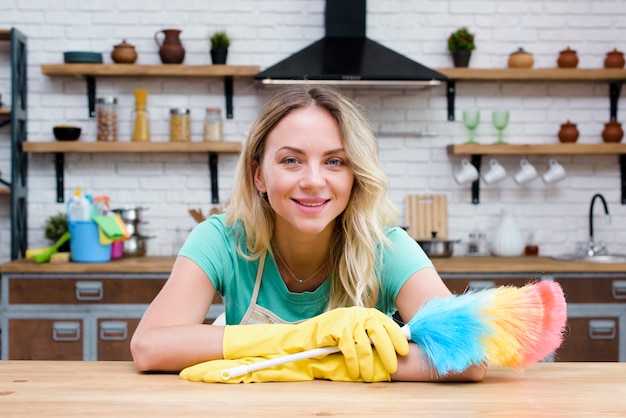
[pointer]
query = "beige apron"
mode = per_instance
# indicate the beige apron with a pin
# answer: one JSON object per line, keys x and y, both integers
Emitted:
{"x": 256, "y": 314}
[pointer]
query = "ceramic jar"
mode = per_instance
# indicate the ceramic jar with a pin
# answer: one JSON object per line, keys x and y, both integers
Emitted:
{"x": 171, "y": 49}
{"x": 508, "y": 240}
{"x": 124, "y": 53}
{"x": 614, "y": 59}
{"x": 612, "y": 132}
{"x": 567, "y": 59}
{"x": 568, "y": 132}
{"x": 521, "y": 59}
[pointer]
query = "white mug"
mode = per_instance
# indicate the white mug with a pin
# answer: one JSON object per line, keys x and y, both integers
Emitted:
{"x": 526, "y": 173}
{"x": 555, "y": 172}
{"x": 467, "y": 173}
{"x": 495, "y": 173}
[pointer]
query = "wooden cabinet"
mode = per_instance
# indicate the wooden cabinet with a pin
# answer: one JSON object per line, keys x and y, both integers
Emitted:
{"x": 76, "y": 316}
{"x": 596, "y": 309}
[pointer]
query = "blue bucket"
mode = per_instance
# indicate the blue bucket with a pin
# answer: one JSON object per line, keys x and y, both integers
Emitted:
{"x": 85, "y": 244}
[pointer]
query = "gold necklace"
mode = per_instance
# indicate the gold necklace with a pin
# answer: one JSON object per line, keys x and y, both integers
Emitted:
{"x": 300, "y": 281}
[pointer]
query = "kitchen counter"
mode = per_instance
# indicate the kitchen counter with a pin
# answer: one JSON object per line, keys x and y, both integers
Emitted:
{"x": 58, "y": 388}
{"x": 444, "y": 265}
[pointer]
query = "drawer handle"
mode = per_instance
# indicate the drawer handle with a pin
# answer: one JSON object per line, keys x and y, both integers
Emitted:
{"x": 478, "y": 285}
{"x": 602, "y": 329}
{"x": 619, "y": 289}
{"x": 66, "y": 331}
{"x": 113, "y": 330}
{"x": 89, "y": 291}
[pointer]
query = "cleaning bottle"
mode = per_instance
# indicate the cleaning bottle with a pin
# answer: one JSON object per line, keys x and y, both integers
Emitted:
{"x": 79, "y": 207}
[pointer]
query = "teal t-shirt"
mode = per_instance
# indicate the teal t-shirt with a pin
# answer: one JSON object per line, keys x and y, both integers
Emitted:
{"x": 212, "y": 246}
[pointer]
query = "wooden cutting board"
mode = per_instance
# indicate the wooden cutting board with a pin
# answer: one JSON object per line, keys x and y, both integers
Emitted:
{"x": 427, "y": 213}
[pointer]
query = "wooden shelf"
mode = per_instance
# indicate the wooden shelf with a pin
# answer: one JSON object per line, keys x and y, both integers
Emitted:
{"x": 59, "y": 148}
{"x": 135, "y": 147}
{"x": 5, "y": 34}
{"x": 530, "y": 149}
{"x": 91, "y": 71}
{"x": 135, "y": 70}
{"x": 535, "y": 74}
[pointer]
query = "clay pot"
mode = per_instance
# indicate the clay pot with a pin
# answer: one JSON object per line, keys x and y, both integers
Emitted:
{"x": 124, "y": 53}
{"x": 568, "y": 132}
{"x": 614, "y": 59}
{"x": 612, "y": 132}
{"x": 171, "y": 49}
{"x": 521, "y": 59}
{"x": 567, "y": 59}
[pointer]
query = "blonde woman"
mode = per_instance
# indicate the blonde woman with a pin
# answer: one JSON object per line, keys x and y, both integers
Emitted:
{"x": 307, "y": 254}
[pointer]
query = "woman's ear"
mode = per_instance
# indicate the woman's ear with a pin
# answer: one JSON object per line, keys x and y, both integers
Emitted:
{"x": 258, "y": 177}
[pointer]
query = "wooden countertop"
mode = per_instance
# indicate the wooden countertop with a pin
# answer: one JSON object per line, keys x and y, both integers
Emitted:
{"x": 443, "y": 265}
{"x": 59, "y": 388}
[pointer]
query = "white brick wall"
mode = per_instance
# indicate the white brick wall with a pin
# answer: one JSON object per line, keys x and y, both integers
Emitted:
{"x": 264, "y": 32}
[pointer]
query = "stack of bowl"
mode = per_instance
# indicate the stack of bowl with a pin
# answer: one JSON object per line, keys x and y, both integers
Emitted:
{"x": 135, "y": 245}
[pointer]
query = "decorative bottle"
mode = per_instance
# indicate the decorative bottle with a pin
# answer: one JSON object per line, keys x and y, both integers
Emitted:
{"x": 141, "y": 131}
{"x": 508, "y": 241}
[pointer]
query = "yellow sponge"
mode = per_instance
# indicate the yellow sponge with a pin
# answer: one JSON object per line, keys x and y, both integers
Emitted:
{"x": 60, "y": 257}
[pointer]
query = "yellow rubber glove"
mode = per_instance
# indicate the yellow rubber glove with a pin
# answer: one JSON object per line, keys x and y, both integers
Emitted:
{"x": 331, "y": 367}
{"x": 354, "y": 330}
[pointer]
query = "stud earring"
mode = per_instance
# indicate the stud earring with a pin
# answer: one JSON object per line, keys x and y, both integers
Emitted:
{"x": 262, "y": 194}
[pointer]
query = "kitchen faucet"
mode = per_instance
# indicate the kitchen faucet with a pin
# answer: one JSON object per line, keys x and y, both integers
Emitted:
{"x": 592, "y": 248}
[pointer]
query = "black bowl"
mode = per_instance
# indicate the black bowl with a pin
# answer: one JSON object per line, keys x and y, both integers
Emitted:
{"x": 66, "y": 133}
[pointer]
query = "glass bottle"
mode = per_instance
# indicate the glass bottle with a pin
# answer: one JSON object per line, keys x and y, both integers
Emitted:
{"x": 213, "y": 130}
{"x": 180, "y": 125}
{"x": 106, "y": 113}
{"x": 141, "y": 130}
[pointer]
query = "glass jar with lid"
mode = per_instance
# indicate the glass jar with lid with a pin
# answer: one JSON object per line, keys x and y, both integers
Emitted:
{"x": 180, "y": 124}
{"x": 213, "y": 125}
{"x": 106, "y": 114}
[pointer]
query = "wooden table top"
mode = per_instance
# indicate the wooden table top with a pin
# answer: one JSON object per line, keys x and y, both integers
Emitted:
{"x": 163, "y": 264}
{"x": 67, "y": 389}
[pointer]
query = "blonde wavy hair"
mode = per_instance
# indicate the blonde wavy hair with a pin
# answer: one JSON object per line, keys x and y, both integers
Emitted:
{"x": 359, "y": 236}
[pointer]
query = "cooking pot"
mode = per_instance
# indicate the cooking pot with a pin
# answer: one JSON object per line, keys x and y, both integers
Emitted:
{"x": 130, "y": 213}
{"x": 437, "y": 247}
{"x": 135, "y": 246}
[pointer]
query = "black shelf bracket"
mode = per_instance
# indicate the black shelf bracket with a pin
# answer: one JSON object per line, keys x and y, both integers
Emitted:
{"x": 622, "y": 168}
{"x": 451, "y": 93}
{"x": 213, "y": 177}
{"x": 228, "y": 94}
{"x": 614, "y": 92}
{"x": 476, "y": 161}
{"x": 59, "y": 163}
{"x": 91, "y": 95}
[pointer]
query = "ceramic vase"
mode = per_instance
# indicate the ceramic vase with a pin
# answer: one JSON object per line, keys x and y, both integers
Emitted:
{"x": 508, "y": 240}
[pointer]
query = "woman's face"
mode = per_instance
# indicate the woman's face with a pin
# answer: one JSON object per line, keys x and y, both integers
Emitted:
{"x": 305, "y": 172}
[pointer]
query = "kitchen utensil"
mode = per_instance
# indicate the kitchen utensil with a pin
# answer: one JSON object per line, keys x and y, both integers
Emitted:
{"x": 437, "y": 247}
{"x": 470, "y": 120}
{"x": 136, "y": 246}
{"x": 66, "y": 132}
{"x": 504, "y": 326}
{"x": 567, "y": 59}
{"x": 171, "y": 49}
{"x": 526, "y": 173}
{"x": 568, "y": 132}
{"x": 495, "y": 173}
{"x": 614, "y": 59}
{"x": 426, "y": 214}
{"x": 555, "y": 172}
{"x": 612, "y": 131}
{"x": 130, "y": 213}
{"x": 124, "y": 53}
{"x": 467, "y": 174}
{"x": 82, "y": 57}
{"x": 521, "y": 59}
{"x": 508, "y": 240}
{"x": 44, "y": 256}
{"x": 197, "y": 215}
{"x": 500, "y": 119}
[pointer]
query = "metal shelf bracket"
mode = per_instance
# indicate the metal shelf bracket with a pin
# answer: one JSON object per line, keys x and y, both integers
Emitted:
{"x": 59, "y": 163}
{"x": 476, "y": 161}
{"x": 614, "y": 92}
{"x": 451, "y": 93}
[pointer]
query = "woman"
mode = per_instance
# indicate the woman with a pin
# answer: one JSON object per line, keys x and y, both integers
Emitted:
{"x": 309, "y": 228}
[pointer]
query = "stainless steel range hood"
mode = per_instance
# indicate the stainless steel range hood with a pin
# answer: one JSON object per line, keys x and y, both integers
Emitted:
{"x": 346, "y": 57}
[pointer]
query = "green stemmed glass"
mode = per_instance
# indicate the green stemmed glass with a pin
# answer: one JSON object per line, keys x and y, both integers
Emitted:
{"x": 470, "y": 120}
{"x": 500, "y": 119}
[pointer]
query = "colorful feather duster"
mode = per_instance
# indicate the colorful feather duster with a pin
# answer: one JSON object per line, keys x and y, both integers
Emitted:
{"x": 506, "y": 326}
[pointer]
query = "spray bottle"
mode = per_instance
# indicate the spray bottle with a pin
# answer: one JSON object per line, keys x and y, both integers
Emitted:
{"x": 79, "y": 207}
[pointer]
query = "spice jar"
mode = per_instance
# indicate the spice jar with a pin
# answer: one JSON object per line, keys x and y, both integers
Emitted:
{"x": 106, "y": 112}
{"x": 141, "y": 128}
{"x": 180, "y": 124}
{"x": 213, "y": 125}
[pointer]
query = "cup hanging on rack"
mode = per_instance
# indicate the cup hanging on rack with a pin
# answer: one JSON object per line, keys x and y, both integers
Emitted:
{"x": 467, "y": 173}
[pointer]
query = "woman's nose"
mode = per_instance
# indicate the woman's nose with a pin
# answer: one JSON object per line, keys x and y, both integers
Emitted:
{"x": 312, "y": 177}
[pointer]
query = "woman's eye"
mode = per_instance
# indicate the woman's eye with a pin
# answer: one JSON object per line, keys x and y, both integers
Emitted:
{"x": 336, "y": 162}
{"x": 290, "y": 160}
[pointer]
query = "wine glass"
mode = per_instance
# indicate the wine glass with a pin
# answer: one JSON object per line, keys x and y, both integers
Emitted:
{"x": 500, "y": 119}
{"x": 470, "y": 120}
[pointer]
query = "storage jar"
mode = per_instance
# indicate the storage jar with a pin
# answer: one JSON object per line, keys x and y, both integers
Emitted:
{"x": 213, "y": 130}
{"x": 180, "y": 125}
{"x": 106, "y": 113}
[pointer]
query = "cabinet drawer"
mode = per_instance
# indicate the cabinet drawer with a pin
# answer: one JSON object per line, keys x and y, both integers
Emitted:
{"x": 46, "y": 339}
{"x": 83, "y": 291}
{"x": 590, "y": 339}
{"x": 594, "y": 290}
{"x": 460, "y": 285}
{"x": 114, "y": 336}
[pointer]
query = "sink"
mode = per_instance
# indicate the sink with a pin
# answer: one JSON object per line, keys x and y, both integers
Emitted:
{"x": 604, "y": 258}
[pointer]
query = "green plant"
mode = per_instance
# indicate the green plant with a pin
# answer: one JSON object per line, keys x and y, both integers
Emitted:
{"x": 220, "y": 40}
{"x": 461, "y": 40}
{"x": 56, "y": 226}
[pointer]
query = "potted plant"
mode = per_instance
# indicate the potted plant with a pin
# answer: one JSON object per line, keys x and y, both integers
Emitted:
{"x": 220, "y": 41}
{"x": 461, "y": 44}
{"x": 55, "y": 227}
